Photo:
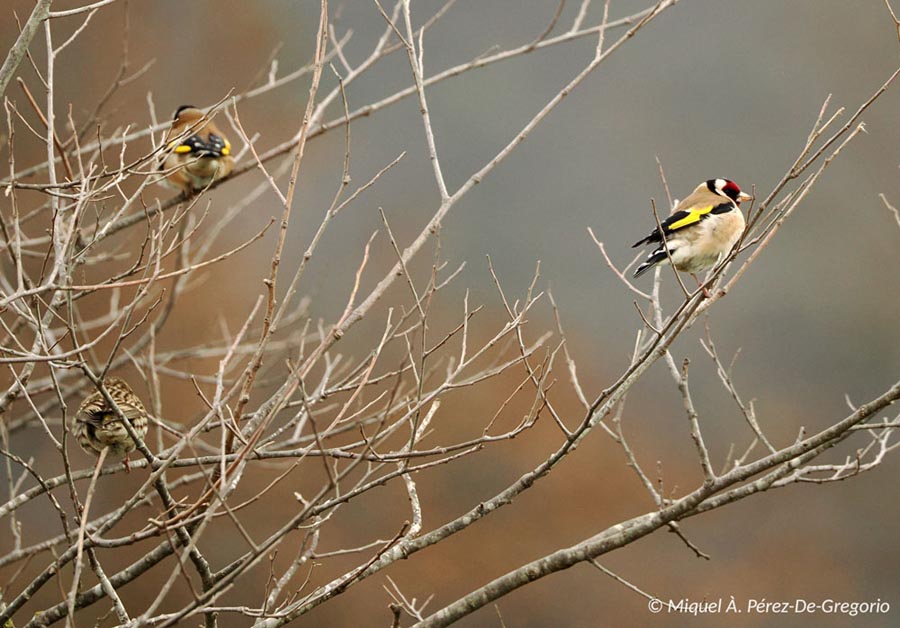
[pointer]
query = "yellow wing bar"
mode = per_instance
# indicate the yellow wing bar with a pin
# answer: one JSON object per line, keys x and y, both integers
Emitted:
{"x": 694, "y": 214}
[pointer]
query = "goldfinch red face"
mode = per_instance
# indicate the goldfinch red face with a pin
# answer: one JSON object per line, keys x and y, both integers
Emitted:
{"x": 725, "y": 187}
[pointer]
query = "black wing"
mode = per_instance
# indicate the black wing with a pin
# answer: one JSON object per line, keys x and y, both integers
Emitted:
{"x": 682, "y": 219}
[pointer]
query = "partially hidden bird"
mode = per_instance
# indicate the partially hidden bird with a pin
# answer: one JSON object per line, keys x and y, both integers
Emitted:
{"x": 198, "y": 153}
{"x": 96, "y": 425}
{"x": 701, "y": 230}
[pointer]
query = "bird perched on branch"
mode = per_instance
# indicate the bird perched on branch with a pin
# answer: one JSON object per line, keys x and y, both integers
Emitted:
{"x": 198, "y": 151}
{"x": 97, "y": 425}
{"x": 701, "y": 230}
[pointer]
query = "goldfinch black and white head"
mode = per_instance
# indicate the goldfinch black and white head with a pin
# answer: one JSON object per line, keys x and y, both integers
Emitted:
{"x": 701, "y": 230}
{"x": 199, "y": 153}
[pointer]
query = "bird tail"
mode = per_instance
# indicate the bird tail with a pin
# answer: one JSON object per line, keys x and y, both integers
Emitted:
{"x": 210, "y": 149}
{"x": 655, "y": 258}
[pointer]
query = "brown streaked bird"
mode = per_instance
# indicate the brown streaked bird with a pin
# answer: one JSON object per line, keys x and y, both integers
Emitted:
{"x": 96, "y": 425}
{"x": 200, "y": 158}
{"x": 701, "y": 230}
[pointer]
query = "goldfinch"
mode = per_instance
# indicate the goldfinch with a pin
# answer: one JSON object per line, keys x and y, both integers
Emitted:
{"x": 96, "y": 425}
{"x": 701, "y": 230}
{"x": 200, "y": 158}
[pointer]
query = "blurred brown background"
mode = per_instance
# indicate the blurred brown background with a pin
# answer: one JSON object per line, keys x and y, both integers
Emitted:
{"x": 714, "y": 88}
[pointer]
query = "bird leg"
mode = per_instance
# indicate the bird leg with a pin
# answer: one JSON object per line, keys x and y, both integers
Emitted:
{"x": 700, "y": 285}
{"x": 127, "y": 465}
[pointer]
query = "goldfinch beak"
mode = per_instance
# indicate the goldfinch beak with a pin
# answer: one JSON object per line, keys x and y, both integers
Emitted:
{"x": 743, "y": 196}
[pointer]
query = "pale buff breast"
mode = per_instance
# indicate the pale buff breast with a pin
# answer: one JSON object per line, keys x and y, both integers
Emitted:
{"x": 703, "y": 246}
